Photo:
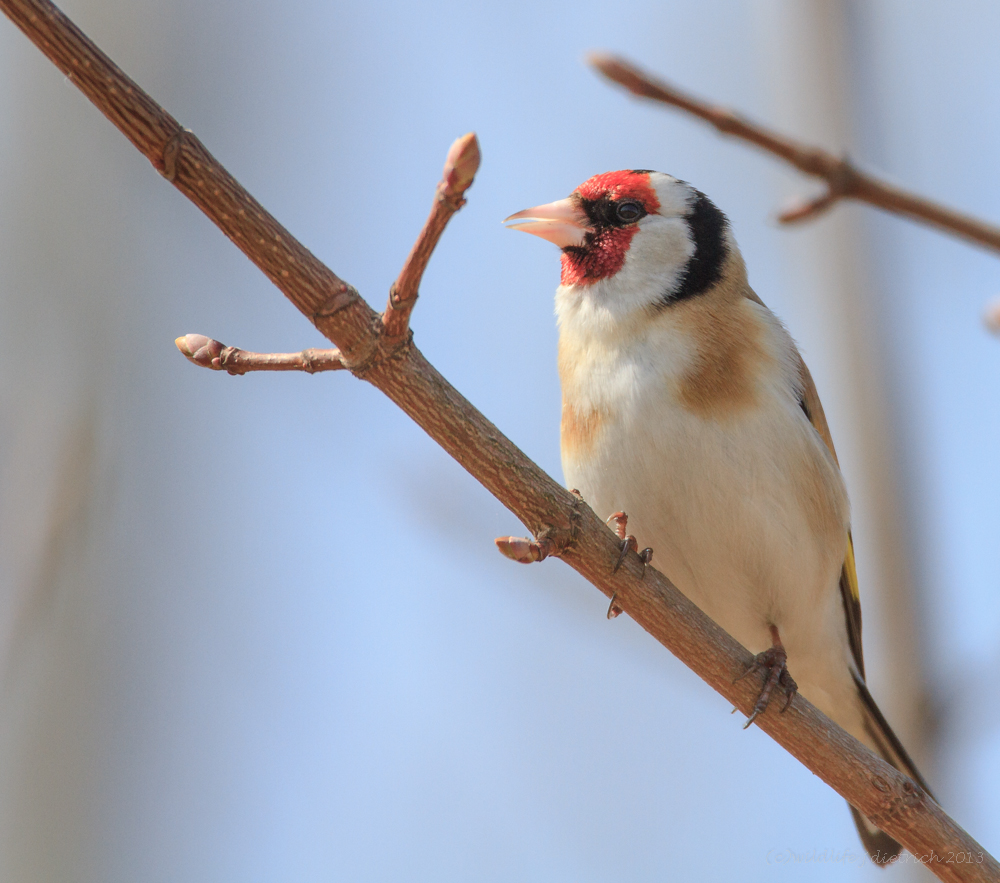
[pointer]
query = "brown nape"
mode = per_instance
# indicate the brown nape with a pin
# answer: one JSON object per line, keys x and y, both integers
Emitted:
{"x": 731, "y": 353}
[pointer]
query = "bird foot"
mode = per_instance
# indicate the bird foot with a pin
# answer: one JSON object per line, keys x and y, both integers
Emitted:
{"x": 628, "y": 543}
{"x": 774, "y": 661}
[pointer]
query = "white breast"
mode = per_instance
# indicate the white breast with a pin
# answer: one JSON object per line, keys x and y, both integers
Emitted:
{"x": 743, "y": 505}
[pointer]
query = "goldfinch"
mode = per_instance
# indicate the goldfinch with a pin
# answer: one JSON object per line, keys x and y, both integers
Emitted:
{"x": 686, "y": 404}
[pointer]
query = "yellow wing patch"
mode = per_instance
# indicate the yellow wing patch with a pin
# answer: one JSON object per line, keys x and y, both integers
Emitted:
{"x": 850, "y": 571}
{"x": 851, "y": 595}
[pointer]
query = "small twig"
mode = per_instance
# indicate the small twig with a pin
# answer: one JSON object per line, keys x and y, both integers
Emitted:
{"x": 803, "y": 211}
{"x": 843, "y": 179}
{"x": 460, "y": 168}
{"x": 213, "y": 354}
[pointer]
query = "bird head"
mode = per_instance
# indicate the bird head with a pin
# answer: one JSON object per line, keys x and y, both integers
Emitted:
{"x": 634, "y": 240}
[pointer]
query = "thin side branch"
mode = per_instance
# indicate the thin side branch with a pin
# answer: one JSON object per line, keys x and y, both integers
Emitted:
{"x": 460, "y": 168}
{"x": 842, "y": 178}
{"x": 571, "y": 529}
{"x": 808, "y": 209}
{"x": 209, "y": 353}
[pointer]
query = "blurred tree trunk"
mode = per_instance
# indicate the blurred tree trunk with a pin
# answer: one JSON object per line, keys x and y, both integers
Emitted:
{"x": 808, "y": 48}
{"x": 57, "y": 469}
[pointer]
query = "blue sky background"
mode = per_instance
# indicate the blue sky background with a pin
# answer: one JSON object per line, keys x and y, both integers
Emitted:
{"x": 256, "y": 628}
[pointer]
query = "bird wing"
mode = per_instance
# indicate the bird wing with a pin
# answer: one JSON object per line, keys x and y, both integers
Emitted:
{"x": 882, "y": 847}
{"x": 849, "y": 590}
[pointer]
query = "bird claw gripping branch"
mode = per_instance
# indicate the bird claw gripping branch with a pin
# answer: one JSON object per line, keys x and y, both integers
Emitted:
{"x": 774, "y": 661}
{"x": 628, "y": 543}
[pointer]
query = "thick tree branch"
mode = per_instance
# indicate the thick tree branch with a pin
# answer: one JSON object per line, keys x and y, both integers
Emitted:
{"x": 843, "y": 180}
{"x": 213, "y": 354}
{"x": 561, "y": 523}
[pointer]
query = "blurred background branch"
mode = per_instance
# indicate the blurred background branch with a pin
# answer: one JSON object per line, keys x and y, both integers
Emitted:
{"x": 843, "y": 179}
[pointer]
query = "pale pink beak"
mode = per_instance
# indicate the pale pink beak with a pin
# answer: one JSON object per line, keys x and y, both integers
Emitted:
{"x": 562, "y": 222}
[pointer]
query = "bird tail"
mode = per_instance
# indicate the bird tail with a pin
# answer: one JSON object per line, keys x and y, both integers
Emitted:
{"x": 882, "y": 848}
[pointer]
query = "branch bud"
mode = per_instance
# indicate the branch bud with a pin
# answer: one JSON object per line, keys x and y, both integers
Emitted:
{"x": 201, "y": 350}
{"x": 523, "y": 550}
{"x": 460, "y": 166}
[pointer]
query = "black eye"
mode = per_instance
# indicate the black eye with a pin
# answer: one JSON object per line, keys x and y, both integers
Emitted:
{"x": 628, "y": 211}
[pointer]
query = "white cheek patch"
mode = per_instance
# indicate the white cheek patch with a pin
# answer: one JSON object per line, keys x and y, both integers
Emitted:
{"x": 656, "y": 262}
